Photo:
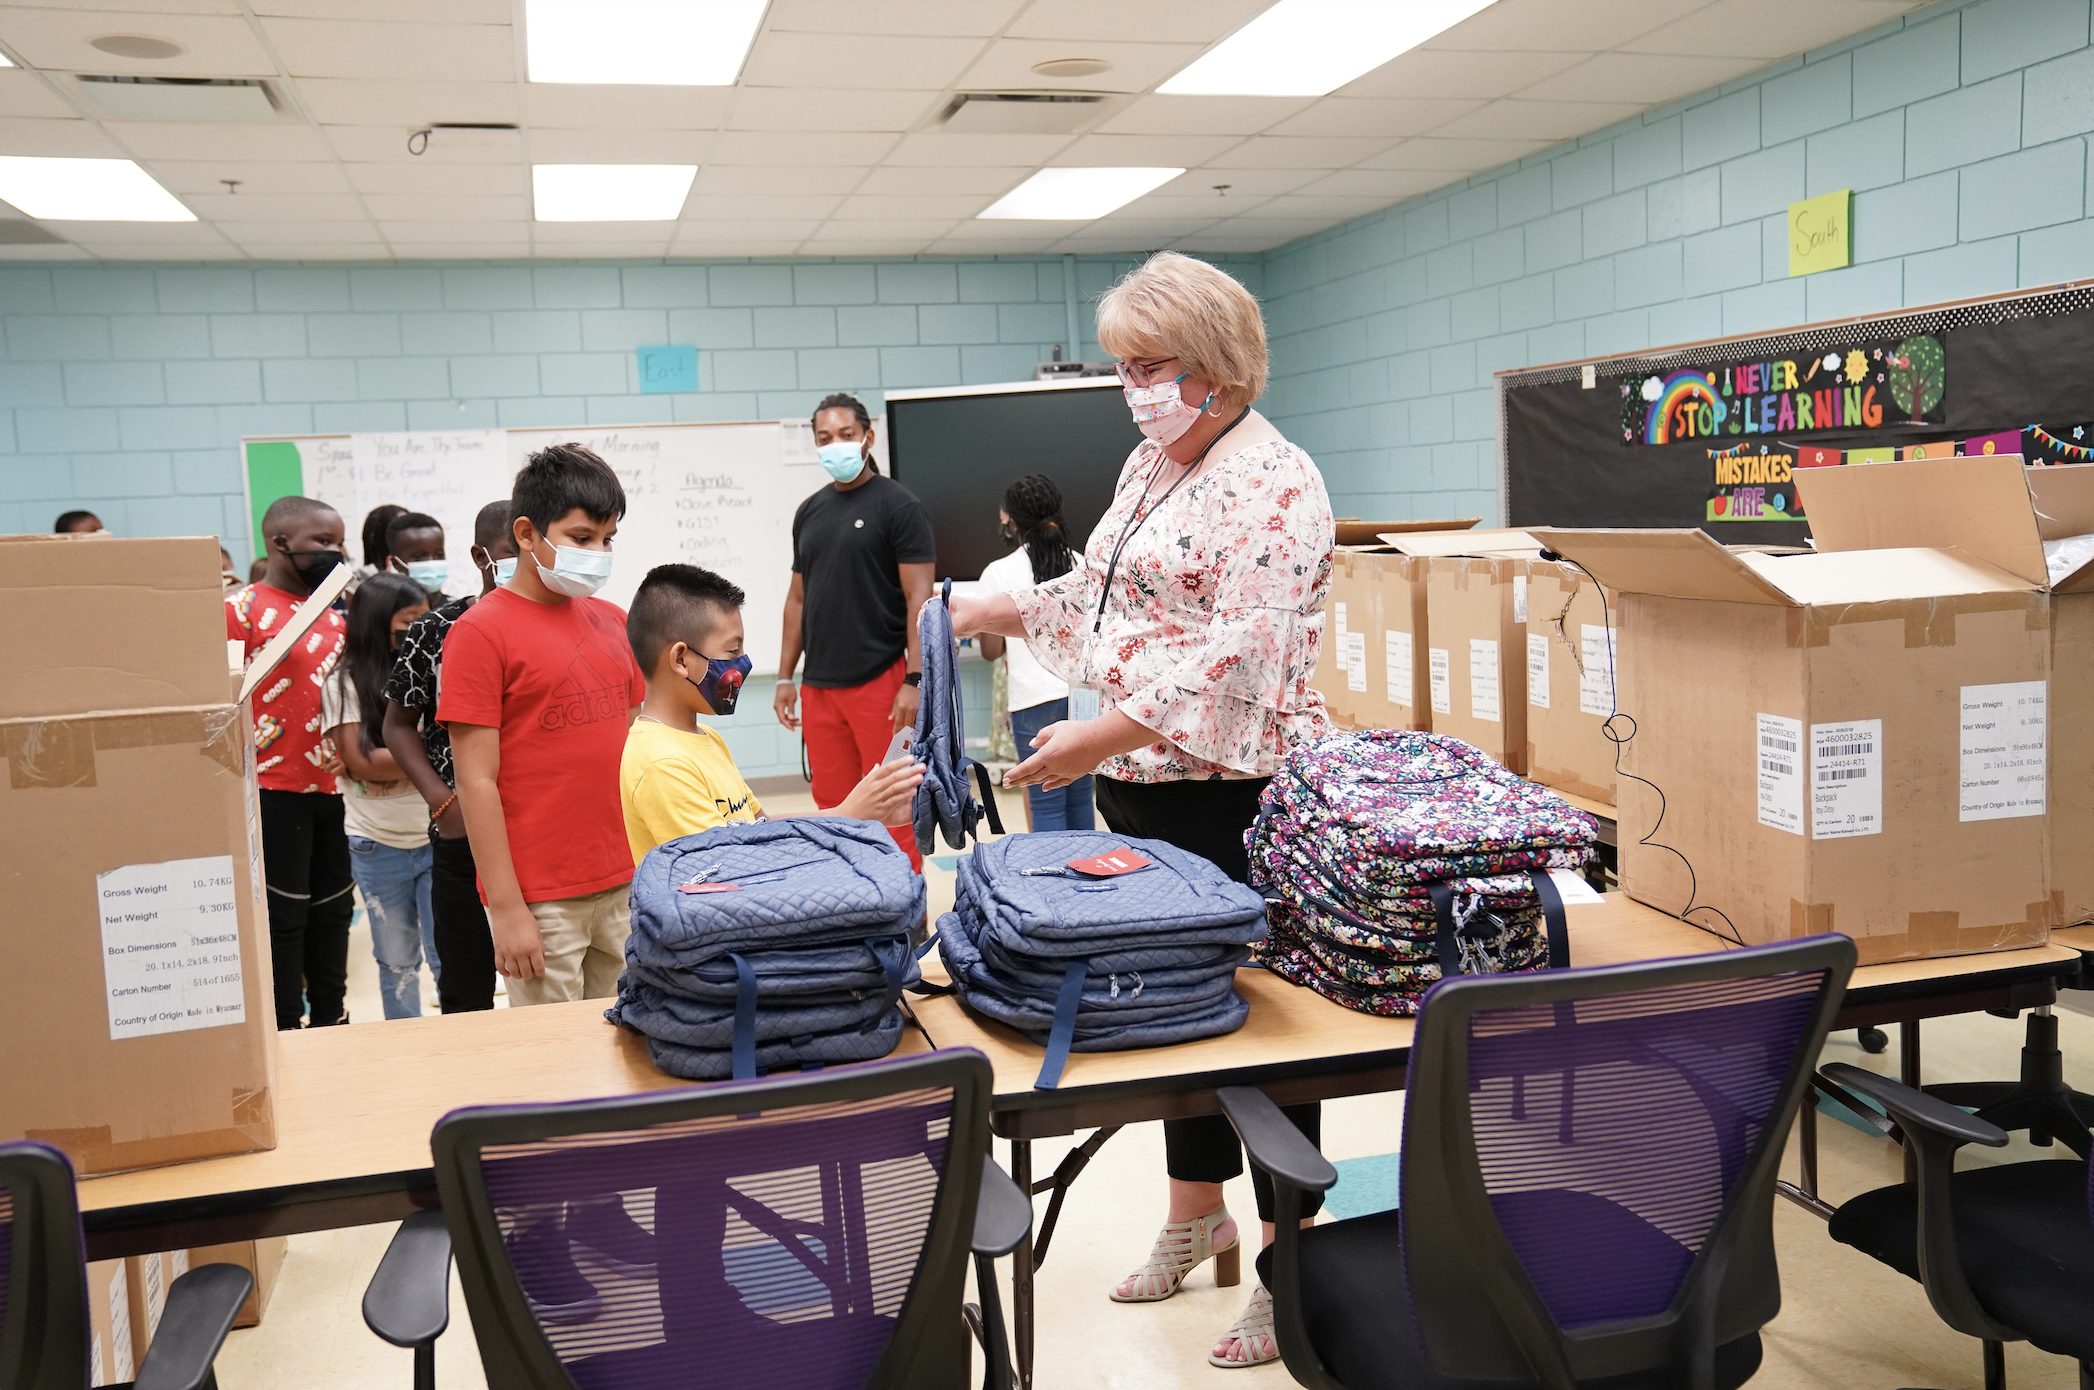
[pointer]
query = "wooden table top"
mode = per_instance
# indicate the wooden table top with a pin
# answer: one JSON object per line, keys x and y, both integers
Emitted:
{"x": 361, "y": 1101}
{"x": 2080, "y": 939}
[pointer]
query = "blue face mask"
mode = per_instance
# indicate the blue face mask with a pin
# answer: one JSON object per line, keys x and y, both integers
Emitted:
{"x": 843, "y": 460}
{"x": 430, "y": 574}
{"x": 504, "y": 570}
{"x": 722, "y": 686}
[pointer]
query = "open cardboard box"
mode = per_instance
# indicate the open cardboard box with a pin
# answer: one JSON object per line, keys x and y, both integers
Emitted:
{"x": 1571, "y": 655}
{"x": 1371, "y": 668}
{"x": 136, "y": 1014}
{"x": 1848, "y": 740}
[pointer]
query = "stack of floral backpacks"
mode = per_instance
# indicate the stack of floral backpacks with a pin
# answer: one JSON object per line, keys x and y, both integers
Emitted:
{"x": 1390, "y": 858}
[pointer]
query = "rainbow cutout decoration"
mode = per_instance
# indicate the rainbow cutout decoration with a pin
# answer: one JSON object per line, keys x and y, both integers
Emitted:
{"x": 1687, "y": 407}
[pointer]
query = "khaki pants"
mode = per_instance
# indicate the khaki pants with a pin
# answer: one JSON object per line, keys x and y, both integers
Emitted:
{"x": 584, "y": 940}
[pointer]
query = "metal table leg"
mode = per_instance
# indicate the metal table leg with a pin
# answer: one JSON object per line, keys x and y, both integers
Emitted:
{"x": 1909, "y": 1073}
{"x": 1022, "y": 1267}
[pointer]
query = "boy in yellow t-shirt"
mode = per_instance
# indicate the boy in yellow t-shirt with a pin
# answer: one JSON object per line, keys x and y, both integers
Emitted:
{"x": 677, "y": 776}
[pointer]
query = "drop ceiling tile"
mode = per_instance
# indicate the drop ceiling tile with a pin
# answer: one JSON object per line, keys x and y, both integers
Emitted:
{"x": 788, "y": 59}
{"x": 810, "y": 148}
{"x": 365, "y": 251}
{"x": 989, "y": 179}
{"x": 1001, "y": 151}
{"x": 393, "y": 11}
{"x": 872, "y": 248}
{"x": 1019, "y": 243}
{"x": 1383, "y": 116}
{"x": 922, "y": 17}
{"x": 154, "y": 140}
{"x": 388, "y": 144}
{"x": 68, "y": 139}
{"x": 1158, "y": 21}
{"x": 926, "y": 230}
{"x": 56, "y": 40}
{"x": 459, "y": 251}
{"x": 26, "y": 94}
{"x": 263, "y": 233}
{"x": 786, "y": 229}
{"x": 133, "y": 233}
{"x": 1279, "y": 230}
{"x": 726, "y": 250}
{"x": 337, "y": 101}
{"x": 1256, "y": 183}
{"x": 1187, "y": 210}
{"x": 1337, "y": 208}
{"x": 245, "y": 206}
{"x": 734, "y": 180}
{"x": 884, "y": 207}
{"x": 1123, "y": 151}
{"x": 1586, "y": 26}
{"x": 353, "y": 48}
{"x": 419, "y": 177}
{"x": 1159, "y": 115}
{"x": 711, "y": 207}
{"x": 1124, "y": 236}
{"x": 50, "y": 251}
{"x": 618, "y": 146}
{"x": 1136, "y": 67}
{"x": 1227, "y": 237}
{"x": 1387, "y": 185}
{"x": 433, "y": 230}
{"x": 185, "y": 176}
{"x": 1512, "y": 119}
{"x": 478, "y": 209}
{"x": 1299, "y": 152}
{"x": 145, "y": 7}
{"x": 615, "y": 107}
{"x": 1766, "y": 28}
{"x": 1465, "y": 156}
{"x": 1436, "y": 72}
{"x": 828, "y": 108}
{"x": 164, "y": 251}
{"x": 1654, "y": 78}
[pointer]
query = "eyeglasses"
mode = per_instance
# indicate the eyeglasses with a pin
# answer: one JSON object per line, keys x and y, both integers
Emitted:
{"x": 1144, "y": 373}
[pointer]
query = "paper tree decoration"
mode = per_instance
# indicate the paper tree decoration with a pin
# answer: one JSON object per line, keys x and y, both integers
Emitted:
{"x": 1916, "y": 375}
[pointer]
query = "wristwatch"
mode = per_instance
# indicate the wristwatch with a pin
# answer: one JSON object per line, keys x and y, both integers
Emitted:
{"x": 913, "y": 678}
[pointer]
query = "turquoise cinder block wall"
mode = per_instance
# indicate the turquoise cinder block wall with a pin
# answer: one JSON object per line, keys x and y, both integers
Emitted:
{"x": 1961, "y": 129}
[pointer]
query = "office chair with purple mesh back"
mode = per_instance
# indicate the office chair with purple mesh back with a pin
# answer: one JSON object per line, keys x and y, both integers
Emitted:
{"x": 44, "y": 1329}
{"x": 1589, "y": 1159}
{"x": 806, "y": 1231}
{"x": 2005, "y": 1252}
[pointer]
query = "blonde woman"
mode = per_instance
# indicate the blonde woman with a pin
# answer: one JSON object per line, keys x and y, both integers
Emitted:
{"x": 1196, "y": 615}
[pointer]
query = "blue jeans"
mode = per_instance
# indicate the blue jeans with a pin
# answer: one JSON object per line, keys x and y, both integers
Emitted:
{"x": 1069, "y": 808}
{"x": 395, "y": 887}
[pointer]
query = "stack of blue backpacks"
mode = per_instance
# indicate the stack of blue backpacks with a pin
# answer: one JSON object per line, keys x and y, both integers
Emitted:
{"x": 1085, "y": 963}
{"x": 781, "y": 944}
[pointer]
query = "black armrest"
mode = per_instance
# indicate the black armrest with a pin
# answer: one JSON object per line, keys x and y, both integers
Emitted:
{"x": 1915, "y": 1110}
{"x": 408, "y": 1301}
{"x": 201, "y": 1306}
{"x": 1273, "y": 1142}
{"x": 1002, "y": 1213}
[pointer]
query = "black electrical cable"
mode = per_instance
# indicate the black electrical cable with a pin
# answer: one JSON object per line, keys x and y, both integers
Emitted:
{"x": 1618, "y": 728}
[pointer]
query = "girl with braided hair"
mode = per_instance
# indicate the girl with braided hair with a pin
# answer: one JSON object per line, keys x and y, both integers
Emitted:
{"x": 1031, "y": 521}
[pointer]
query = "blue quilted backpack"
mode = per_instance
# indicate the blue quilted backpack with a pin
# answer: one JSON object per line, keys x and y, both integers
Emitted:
{"x": 944, "y": 803}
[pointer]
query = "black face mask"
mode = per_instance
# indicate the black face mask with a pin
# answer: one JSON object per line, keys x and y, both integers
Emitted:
{"x": 314, "y": 566}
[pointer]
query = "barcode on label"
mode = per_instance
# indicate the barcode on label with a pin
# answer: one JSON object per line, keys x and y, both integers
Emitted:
{"x": 1845, "y": 750}
{"x": 1842, "y": 774}
{"x": 1786, "y": 745}
{"x": 1779, "y": 766}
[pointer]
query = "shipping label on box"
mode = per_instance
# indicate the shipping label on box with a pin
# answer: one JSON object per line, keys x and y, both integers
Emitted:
{"x": 171, "y": 946}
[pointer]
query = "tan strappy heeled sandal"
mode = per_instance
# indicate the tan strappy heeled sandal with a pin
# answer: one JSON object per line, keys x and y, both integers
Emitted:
{"x": 1181, "y": 1246}
{"x": 1252, "y": 1334}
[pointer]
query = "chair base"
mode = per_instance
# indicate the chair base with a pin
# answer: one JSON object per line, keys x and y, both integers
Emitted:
{"x": 2038, "y": 1101}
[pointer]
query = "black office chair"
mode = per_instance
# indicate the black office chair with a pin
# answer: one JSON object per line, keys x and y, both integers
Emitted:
{"x": 44, "y": 1330}
{"x": 2005, "y": 1253}
{"x": 809, "y": 1230}
{"x": 1589, "y": 1159}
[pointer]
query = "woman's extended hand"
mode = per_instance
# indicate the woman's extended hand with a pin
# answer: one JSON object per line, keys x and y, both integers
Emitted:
{"x": 1063, "y": 752}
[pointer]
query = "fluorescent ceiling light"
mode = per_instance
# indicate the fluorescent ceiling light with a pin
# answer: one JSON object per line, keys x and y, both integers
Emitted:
{"x": 1310, "y": 48}
{"x": 610, "y": 192}
{"x": 1077, "y": 195}
{"x": 86, "y": 190}
{"x": 669, "y": 43}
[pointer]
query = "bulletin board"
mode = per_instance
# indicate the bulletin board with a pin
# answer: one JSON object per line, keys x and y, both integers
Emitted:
{"x": 1711, "y": 434}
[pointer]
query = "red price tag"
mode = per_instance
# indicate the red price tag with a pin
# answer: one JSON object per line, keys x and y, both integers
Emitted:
{"x": 710, "y": 888}
{"x": 1111, "y": 864}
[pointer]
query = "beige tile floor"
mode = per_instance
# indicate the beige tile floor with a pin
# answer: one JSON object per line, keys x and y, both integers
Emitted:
{"x": 1846, "y": 1323}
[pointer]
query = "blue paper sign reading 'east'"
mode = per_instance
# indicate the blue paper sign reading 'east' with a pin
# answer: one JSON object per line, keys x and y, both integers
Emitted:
{"x": 665, "y": 369}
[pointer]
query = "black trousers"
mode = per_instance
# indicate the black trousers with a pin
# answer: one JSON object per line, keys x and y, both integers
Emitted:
{"x": 464, "y": 944}
{"x": 305, "y": 861}
{"x": 1207, "y": 818}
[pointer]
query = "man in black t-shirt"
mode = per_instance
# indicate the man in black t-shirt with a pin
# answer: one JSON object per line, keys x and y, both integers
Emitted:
{"x": 862, "y": 567}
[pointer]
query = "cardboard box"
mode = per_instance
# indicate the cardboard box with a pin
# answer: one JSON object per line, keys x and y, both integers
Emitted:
{"x": 1371, "y": 667}
{"x": 1571, "y": 655}
{"x": 110, "y": 1360}
{"x": 147, "y": 1277}
{"x": 264, "y": 1259}
{"x": 1834, "y": 737}
{"x": 137, "y": 1017}
{"x": 1933, "y": 504}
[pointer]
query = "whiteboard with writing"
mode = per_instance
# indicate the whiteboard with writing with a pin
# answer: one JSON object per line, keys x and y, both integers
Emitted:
{"x": 717, "y": 495}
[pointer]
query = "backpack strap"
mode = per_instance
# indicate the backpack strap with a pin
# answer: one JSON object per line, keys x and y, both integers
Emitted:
{"x": 1447, "y": 933}
{"x": 745, "y": 991}
{"x": 1063, "y": 1034}
{"x": 988, "y": 789}
{"x": 1552, "y": 917}
{"x": 1444, "y": 930}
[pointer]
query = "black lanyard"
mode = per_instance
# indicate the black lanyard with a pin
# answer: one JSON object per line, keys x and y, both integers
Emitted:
{"x": 1146, "y": 509}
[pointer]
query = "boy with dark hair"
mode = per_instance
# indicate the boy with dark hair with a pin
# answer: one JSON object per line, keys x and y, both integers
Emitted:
{"x": 538, "y": 689}
{"x": 678, "y": 776}
{"x": 414, "y": 543}
{"x": 422, "y": 748}
{"x": 76, "y": 523}
{"x": 305, "y": 850}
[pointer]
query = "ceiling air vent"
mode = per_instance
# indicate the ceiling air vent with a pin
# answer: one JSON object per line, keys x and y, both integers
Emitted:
{"x": 214, "y": 99}
{"x": 1024, "y": 113}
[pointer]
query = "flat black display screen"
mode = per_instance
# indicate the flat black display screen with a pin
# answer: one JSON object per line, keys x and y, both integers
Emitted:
{"x": 958, "y": 453}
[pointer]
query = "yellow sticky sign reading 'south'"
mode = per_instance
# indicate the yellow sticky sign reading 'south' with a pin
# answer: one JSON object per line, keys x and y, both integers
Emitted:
{"x": 1821, "y": 233}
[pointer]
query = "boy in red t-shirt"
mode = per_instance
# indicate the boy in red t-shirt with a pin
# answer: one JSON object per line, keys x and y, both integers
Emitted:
{"x": 538, "y": 688}
{"x": 305, "y": 853}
